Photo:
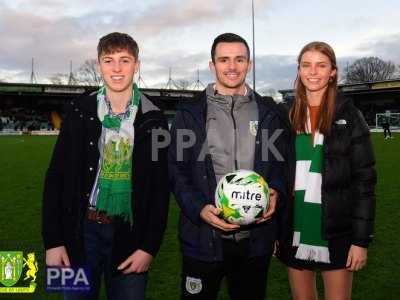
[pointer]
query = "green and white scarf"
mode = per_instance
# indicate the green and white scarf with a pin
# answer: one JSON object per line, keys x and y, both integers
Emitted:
{"x": 115, "y": 185}
{"x": 307, "y": 209}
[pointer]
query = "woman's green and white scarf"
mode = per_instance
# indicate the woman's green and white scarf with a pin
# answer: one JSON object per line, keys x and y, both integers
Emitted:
{"x": 115, "y": 185}
{"x": 307, "y": 209}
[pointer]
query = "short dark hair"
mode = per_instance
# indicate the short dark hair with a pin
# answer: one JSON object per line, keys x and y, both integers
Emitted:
{"x": 228, "y": 38}
{"x": 115, "y": 42}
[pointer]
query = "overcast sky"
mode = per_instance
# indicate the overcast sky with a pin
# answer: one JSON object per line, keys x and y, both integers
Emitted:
{"x": 179, "y": 34}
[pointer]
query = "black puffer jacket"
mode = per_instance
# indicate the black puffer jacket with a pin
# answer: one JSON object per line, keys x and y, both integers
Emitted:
{"x": 348, "y": 181}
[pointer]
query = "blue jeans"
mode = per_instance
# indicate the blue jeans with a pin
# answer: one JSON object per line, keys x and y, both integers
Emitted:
{"x": 98, "y": 239}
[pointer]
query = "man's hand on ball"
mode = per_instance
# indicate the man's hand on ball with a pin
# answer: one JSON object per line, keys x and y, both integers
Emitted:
{"x": 273, "y": 200}
{"x": 210, "y": 214}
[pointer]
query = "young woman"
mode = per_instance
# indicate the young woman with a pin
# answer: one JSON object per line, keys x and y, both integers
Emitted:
{"x": 332, "y": 207}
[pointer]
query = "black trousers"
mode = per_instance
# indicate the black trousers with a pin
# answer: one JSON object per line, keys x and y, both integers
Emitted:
{"x": 246, "y": 277}
{"x": 386, "y": 131}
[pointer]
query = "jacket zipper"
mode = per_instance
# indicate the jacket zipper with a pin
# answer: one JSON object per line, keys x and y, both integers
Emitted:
{"x": 234, "y": 135}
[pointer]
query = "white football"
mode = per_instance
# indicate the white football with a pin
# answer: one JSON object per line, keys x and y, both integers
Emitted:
{"x": 243, "y": 197}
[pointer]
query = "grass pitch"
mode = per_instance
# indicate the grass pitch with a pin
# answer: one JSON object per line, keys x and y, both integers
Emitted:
{"x": 23, "y": 162}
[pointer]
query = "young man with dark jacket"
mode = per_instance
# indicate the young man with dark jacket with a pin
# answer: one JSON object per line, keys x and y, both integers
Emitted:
{"x": 228, "y": 127}
{"x": 105, "y": 199}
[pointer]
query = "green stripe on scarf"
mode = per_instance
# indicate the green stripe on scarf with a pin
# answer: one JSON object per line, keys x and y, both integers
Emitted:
{"x": 317, "y": 156}
{"x": 304, "y": 147}
{"x": 115, "y": 177}
{"x": 307, "y": 208}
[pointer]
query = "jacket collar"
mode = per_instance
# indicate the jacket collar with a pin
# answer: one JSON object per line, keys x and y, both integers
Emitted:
{"x": 227, "y": 100}
{"x": 266, "y": 106}
{"x": 88, "y": 104}
{"x": 198, "y": 106}
{"x": 341, "y": 102}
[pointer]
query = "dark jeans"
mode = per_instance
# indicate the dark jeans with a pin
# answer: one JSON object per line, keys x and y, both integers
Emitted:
{"x": 246, "y": 277}
{"x": 98, "y": 240}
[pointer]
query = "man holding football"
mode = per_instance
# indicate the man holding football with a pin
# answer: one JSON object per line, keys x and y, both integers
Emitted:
{"x": 227, "y": 128}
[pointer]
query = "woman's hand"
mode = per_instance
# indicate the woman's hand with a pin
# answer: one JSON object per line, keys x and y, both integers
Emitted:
{"x": 357, "y": 258}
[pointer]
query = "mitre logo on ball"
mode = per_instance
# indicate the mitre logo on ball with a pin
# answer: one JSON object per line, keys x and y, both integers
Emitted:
{"x": 243, "y": 197}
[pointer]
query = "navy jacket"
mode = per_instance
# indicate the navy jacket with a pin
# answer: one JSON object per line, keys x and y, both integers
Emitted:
{"x": 193, "y": 180}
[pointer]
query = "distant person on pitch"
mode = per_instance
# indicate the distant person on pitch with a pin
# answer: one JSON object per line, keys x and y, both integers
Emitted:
{"x": 386, "y": 129}
{"x": 220, "y": 121}
{"x": 105, "y": 199}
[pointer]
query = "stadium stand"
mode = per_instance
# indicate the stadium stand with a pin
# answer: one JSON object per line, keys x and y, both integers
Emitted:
{"x": 25, "y": 120}
{"x": 40, "y": 107}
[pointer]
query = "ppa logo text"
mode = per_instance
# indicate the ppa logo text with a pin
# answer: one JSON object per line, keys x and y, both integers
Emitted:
{"x": 74, "y": 279}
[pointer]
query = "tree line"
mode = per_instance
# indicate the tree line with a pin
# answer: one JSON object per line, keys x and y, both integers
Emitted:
{"x": 369, "y": 69}
{"x": 366, "y": 69}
